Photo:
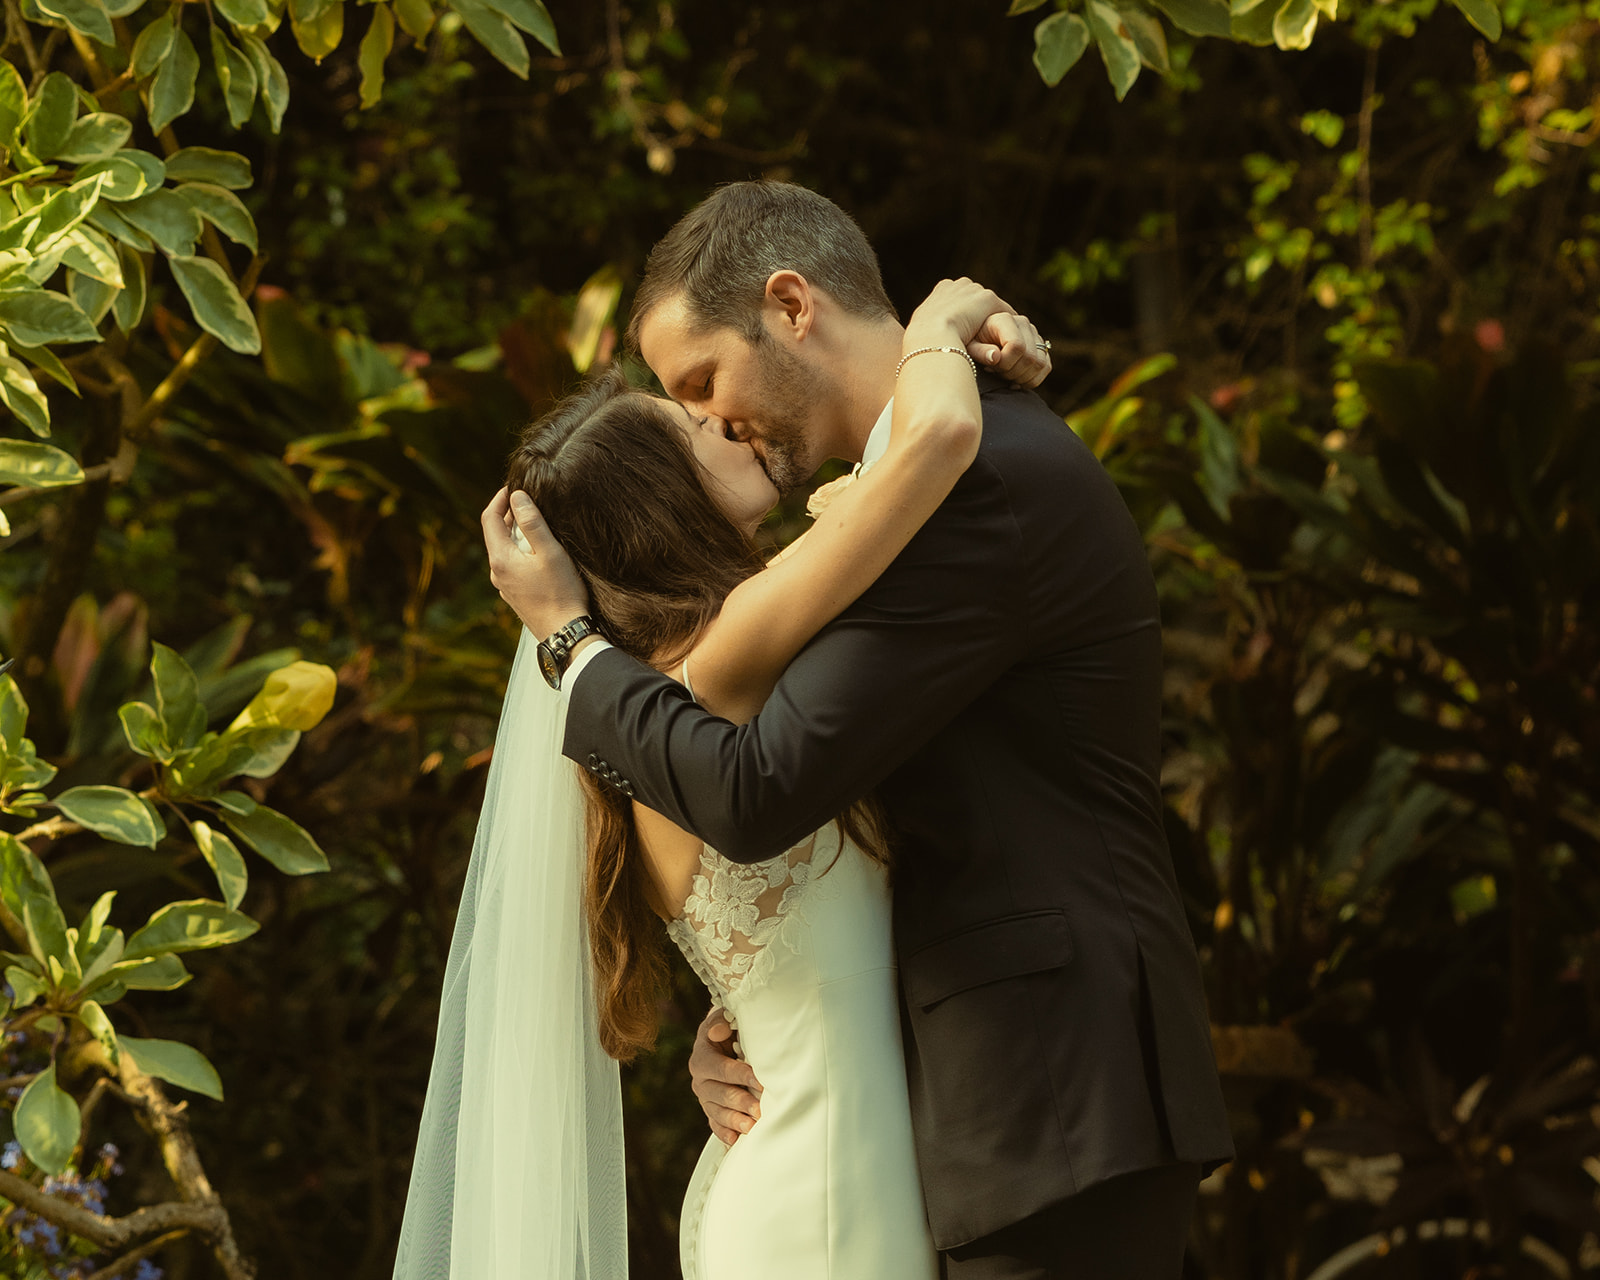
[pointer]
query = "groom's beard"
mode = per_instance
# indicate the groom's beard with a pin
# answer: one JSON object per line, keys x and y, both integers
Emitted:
{"x": 790, "y": 391}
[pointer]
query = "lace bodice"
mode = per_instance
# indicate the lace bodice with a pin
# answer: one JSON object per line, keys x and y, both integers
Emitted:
{"x": 735, "y": 912}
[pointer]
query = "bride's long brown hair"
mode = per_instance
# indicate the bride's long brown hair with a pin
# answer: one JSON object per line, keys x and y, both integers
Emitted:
{"x": 618, "y": 483}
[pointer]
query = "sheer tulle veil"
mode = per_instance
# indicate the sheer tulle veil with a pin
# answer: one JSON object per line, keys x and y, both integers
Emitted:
{"x": 519, "y": 1164}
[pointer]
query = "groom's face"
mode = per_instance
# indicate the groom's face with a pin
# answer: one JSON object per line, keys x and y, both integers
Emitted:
{"x": 764, "y": 391}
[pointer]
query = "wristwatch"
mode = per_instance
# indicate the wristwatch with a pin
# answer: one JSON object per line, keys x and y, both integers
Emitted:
{"x": 556, "y": 652}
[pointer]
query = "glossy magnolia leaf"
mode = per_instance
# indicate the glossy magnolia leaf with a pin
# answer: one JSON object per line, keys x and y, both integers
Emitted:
{"x": 530, "y": 16}
{"x": 222, "y": 209}
{"x": 1058, "y": 43}
{"x": 39, "y": 466}
{"x": 272, "y": 78}
{"x": 225, "y": 861}
{"x": 495, "y": 33}
{"x": 1483, "y": 14}
{"x": 237, "y": 76}
{"x": 319, "y": 34}
{"x": 20, "y": 393}
{"x": 1116, "y": 46}
{"x": 46, "y": 360}
{"x": 186, "y": 926}
{"x": 30, "y": 896}
{"x": 158, "y": 973}
{"x": 166, "y": 219}
{"x": 297, "y": 696}
{"x": 13, "y": 103}
{"x": 39, "y": 317}
{"x": 99, "y": 1026}
{"x": 245, "y": 13}
{"x": 1198, "y": 17}
{"x": 90, "y": 254}
{"x": 129, "y": 306}
{"x": 172, "y": 91}
{"x": 217, "y": 305}
{"x": 178, "y": 1064}
{"x": 150, "y": 50}
{"x": 86, "y": 16}
{"x": 55, "y": 107}
{"x": 47, "y": 1122}
{"x": 183, "y": 715}
{"x": 113, "y": 812}
{"x": 25, "y": 987}
{"x": 97, "y": 136}
{"x": 206, "y": 164}
{"x": 375, "y": 47}
{"x": 281, "y": 841}
{"x": 416, "y": 18}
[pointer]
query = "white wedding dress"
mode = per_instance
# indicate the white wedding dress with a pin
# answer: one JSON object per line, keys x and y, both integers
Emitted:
{"x": 798, "y": 951}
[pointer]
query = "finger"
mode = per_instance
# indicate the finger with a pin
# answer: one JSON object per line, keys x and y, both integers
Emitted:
{"x": 713, "y": 1064}
{"x": 728, "y": 1135}
{"x": 496, "y": 534}
{"x": 734, "y": 1100}
{"x": 540, "y": 540}
{"x": 730, "y": 1121}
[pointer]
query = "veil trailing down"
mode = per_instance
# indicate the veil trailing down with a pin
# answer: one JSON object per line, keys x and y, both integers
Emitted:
{"x": 519, "y": 1163}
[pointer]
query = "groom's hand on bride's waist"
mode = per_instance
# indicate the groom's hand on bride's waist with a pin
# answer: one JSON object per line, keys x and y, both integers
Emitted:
{"x": 537, "y": 579}
{"x": 728, "y": 1090}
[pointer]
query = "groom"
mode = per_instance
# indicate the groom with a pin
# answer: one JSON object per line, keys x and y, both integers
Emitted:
{"x": 999, "y": 688}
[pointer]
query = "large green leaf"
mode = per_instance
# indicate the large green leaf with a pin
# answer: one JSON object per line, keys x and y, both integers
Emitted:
{"x": 47, "y": 1122}
{"x": 86, "y": 16}
{"x": 1483, "y": 14}
{"x": 233, "y": 877}
{"x": 113, "y": 812}
{"x": 237, "y": 76}
{"x": 1295, "y": 24}
{"x": 142, "y": 727}
{"x": 99, "y": 1026}
{"x": 19, "y": 390}
{"x": 183, "y": 715}
{"x": 166, "y": 219}
{"x": 178, "y": 1064}
{"x": 125, "y": 180}
{"x": 375, "y": 47}
{"x": 1058, "y": 43}
{"x": 55, "y": 107}
{"x": 495, "y": 33}
{"x": 281, "y": 841}
{"x": 295, "y": 696}
{"x": 97, "y": 136}
{"x": 318, "y": 35}
{"x": 172, "y": 91}
{"x": 1198, "y": 17}
{"x": 25, "y": 987}
{"x": 39, "y": 317}
{"x": 1121, "y": 55}
{"x": 93, "y": 296}
{"x": 531, "y": 16}
{"x": 39, "y": 466}
{"x": 1144, "y": 28}
{"x": 89, "y": 254}
{"x": 216, "y": 304}
{"x": 416, "y": 18}
{"x": 129, "y": 306}
{"x": 272, "y": 78}
{"x": 13, "y": 713}
{"x": 187, "y": 926}
{"x": 224, "y": 210}
{"x": 29, "y": 894}
{"x": 245, "y": 13}
{"x": 206, "y": 164}
{"x": 13, "y": 103}
{"x": 150, "y": 50}
{"x": 157, "y": 973}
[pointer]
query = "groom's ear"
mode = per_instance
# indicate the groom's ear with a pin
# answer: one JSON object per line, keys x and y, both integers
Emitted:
{"x": 790, "y": 304}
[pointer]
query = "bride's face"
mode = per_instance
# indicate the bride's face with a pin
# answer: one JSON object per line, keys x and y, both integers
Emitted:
{"x": 733, "y": 473}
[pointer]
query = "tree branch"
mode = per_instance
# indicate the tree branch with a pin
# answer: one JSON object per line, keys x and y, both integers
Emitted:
{"x": 122, "y": 1265}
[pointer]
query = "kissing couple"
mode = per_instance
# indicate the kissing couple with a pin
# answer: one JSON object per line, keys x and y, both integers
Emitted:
{"x": 894, "y": 793}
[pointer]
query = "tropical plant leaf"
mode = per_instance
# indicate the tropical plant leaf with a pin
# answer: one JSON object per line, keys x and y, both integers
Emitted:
{"x": 178, "y": 1064}
{"x": 113, "y": 812}
{"x": 186, "y": 926}
{"x": 47, "y": 1123}
{"x": 1058, "y": 43}
{"x": 206, "y": 164}
{"x": 225, "y": 860}
{"x": 216, "y": 304}
{"x": 280, "y": 840}
{"x": 39, "y": 466}
{"x": 224, "y": 210}
{"x": 172, "y": 91}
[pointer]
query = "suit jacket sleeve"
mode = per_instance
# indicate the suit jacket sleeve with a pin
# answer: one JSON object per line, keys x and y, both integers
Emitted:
{"x": 927, "y": 638}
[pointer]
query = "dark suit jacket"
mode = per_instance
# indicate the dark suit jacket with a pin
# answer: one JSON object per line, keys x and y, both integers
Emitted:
{"x": 1000, "y": 687}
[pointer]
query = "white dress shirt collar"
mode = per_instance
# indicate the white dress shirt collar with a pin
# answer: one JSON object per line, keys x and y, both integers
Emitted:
{"x": 878, "y": 441}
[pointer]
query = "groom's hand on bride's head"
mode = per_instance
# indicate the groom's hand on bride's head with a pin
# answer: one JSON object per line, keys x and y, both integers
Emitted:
{"x": 1009, "y": 344}
{"x": 727, "y": 1088}
{"x": 537, "y": 580}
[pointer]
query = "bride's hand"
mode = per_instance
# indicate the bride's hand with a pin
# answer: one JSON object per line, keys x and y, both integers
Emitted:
{"x": 964, "y": 313}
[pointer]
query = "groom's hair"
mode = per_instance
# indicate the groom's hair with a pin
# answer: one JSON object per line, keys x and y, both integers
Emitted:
{"x": 721, "y": 253}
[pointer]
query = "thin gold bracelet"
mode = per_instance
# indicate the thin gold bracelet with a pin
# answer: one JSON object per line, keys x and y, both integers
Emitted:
{"x": 922, "y": 351}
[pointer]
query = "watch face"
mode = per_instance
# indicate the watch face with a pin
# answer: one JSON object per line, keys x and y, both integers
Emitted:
{"x": 547, "y": 664}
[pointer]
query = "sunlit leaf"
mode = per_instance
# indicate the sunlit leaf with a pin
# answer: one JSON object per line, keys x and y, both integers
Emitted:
{"x": 225, "y": 861}
{"x": 186, "y": 926}
{"x": 113, "y": 812}
{"x": 375, "y": 47}
{"x": 47, "y": 1123}
{"x": 178, "y": 1064}
{"x": 1058, "y": 43}
{"x": 206, "y": 164}
{"x": 216, "y": 304}
{"x": 172, "y": 91}
{"x": 222, "y": 209}
{"x": 39, "y": 466}
{"x": 280, "y": 840}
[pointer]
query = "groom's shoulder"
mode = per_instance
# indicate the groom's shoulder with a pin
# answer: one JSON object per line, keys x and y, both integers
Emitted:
{"x": 1027, "y": 443}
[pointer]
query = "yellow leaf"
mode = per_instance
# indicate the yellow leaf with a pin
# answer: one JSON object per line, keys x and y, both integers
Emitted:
{"x": 294, "y": 697}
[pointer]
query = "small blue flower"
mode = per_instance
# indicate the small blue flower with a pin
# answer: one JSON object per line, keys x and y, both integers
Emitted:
{"x": 11, "y": 1156}
{"x": 52, "y": 1238}
{"x": 147, "y": 1270}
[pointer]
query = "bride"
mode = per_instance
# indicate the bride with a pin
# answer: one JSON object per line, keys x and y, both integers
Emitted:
{"x": 557, "y": 962}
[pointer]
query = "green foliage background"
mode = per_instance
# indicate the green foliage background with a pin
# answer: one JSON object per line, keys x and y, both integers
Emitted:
{"x": 1328, "y": 314}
